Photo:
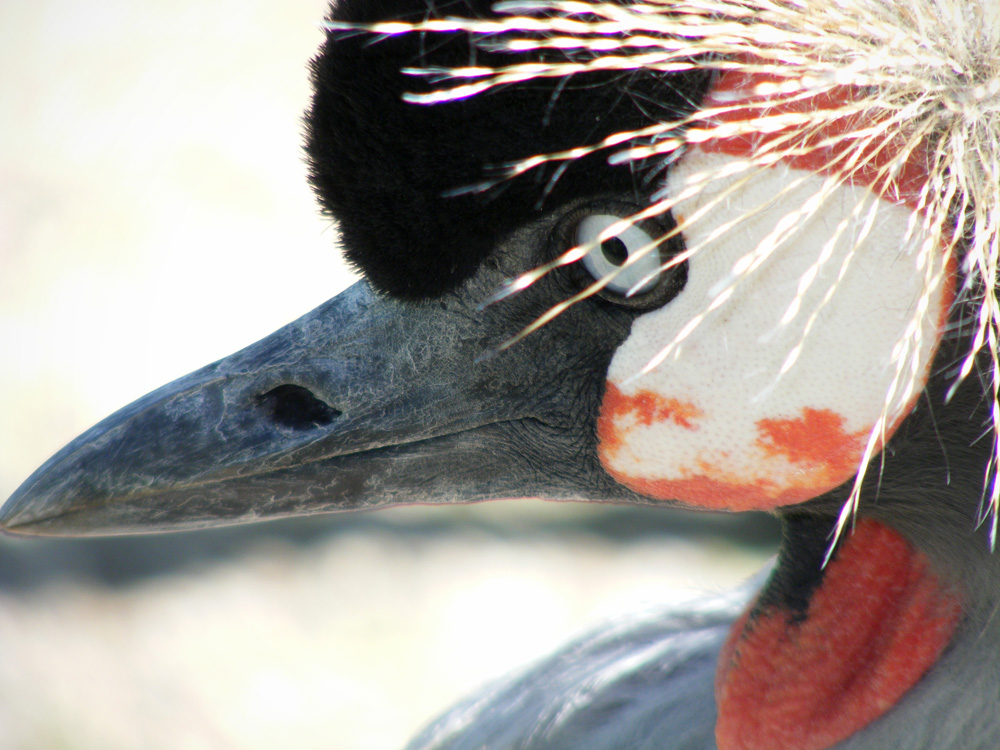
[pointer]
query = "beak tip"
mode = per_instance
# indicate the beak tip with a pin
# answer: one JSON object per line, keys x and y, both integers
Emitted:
{"x": 19, "y": 516}
{"x": 37, "y": 508}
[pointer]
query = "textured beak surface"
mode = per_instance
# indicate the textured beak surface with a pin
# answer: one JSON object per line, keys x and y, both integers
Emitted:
{"x": 363, "y": 402}
{"x": 348, "y": 407}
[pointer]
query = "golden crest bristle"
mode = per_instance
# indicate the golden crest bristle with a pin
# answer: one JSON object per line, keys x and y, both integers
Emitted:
{"x": 926, "y": 79}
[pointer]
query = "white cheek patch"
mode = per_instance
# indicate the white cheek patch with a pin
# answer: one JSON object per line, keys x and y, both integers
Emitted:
{"x": 724, "y": 422}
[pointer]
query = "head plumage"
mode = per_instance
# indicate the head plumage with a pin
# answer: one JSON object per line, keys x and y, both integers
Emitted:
{"x": 902, "y": 97}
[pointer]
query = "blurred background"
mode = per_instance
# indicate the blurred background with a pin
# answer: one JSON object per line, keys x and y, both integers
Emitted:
{"x": 154, "y": 216}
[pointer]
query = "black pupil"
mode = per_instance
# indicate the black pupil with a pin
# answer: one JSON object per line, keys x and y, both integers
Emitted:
{"x": 614, "y": 250}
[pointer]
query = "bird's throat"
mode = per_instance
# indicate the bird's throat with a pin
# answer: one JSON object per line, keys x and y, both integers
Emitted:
{"x": 814, "y": 661}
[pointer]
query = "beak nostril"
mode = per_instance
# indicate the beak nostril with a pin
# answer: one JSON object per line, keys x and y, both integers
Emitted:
{"x": 295, "y": 407}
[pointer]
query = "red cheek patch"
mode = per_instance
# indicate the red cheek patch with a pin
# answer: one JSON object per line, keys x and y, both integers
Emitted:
{"x": 878, "y": 621}
{"x": 646, "y": 408}
{"x": 816, "y": 440}
{"x": 713, "y": 489}
{"x": 710, "y": 492}
{"x": 821, "y": 454}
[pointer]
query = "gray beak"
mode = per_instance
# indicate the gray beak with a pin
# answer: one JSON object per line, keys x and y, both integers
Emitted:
{"x": 362, "y": 403}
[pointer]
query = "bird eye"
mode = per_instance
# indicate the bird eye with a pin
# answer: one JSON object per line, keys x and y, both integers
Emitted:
{"x": 629, "y": 257}
{"x": 609, "y": 256}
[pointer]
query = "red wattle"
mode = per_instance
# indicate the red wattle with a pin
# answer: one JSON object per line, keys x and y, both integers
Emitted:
{"x": 877, "y": 622}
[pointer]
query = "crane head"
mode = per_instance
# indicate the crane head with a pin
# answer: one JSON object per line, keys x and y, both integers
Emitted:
{"x": 730, "y": 303}
{"x": 728, "y": 255}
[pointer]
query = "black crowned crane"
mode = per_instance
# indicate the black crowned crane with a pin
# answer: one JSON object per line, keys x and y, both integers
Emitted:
{"x": 734, "y": 255}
